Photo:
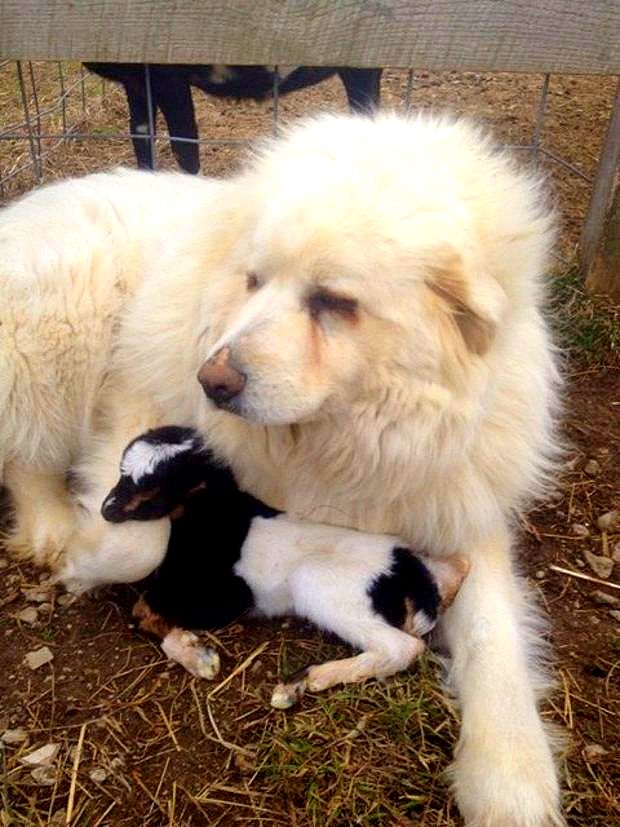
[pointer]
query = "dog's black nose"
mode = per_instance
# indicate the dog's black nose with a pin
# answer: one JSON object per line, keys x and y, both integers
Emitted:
{"x": 220, "y": 379}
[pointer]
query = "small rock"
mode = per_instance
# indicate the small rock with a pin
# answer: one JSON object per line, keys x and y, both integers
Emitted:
{"x": 609, "y": 521}
{"x": 14, "y": 736}
{"x": 45, "y": 776}
{"x": 38, "y": 657}
{"x": 256, "y": 666}
{"x": 571, "y": 463}
{"x": 28, "y": 615}
{"x": 594, "y": 621}
{"x": 66, "y": 599}
{"x": 615, "y": 613}
{"x": 244, "y": 765}
{"x": 36, "y": 595}
{"x": 592, "y": 467}
{"x": 579, "y": 562}
{"x": 580, "y": 530}
{"x": 615, "y": 554}
{"x": 98, "y": 775}
{"x": 593, "y": 753}
{"x": 605, "y": 599}
{"x": 601, "y": 566}
{"x": 540, "y": 574}
{"x": 41, "y": 757}
{"x": 44, "y": 608}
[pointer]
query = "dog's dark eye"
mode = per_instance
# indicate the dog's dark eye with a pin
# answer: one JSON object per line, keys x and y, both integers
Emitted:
{"x": 252, "y": 281}
{"x": 323, "y": 301}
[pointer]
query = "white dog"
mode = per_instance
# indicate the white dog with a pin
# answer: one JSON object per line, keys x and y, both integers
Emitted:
{"x": 363, "y": 305}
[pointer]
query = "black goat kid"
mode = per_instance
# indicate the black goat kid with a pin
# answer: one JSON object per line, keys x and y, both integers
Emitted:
{"x": 228, "y": 552}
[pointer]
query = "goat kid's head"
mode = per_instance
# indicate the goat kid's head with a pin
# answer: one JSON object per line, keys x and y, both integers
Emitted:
{"x": 159, "y": 470}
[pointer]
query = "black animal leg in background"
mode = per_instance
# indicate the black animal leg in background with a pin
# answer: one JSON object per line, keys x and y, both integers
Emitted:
{"x": 363, "y": 87}
{"x": 135, "y": 90}
{"x": 174, "y": 98}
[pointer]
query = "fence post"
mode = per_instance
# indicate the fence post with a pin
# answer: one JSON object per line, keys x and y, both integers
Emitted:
{"x": 600, "y": 240}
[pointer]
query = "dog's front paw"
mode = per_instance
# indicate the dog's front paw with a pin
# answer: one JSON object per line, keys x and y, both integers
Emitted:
{"x": 508, "y": 784}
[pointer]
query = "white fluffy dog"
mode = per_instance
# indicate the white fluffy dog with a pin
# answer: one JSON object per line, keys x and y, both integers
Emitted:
{"x": 362, "y": 304}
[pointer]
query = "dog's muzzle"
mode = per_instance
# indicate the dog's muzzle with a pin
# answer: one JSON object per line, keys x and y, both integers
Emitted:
{"x": 220, "y": 379}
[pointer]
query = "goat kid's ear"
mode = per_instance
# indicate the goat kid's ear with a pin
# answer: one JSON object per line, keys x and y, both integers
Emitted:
{"x": 449, "y": 573}
{"x": 474, "y": 299}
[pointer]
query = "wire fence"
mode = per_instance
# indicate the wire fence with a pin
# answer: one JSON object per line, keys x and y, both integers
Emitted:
{"x": 49, "y": 106}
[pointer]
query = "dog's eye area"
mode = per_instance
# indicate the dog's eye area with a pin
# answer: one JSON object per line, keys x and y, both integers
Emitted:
{"x": 252, "y": 281}
{"x": 324, "y": 301}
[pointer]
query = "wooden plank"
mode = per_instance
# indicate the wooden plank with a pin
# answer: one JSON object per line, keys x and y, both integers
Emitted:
{"x": 570, "y": 36}
{"x": 600, "y": 240}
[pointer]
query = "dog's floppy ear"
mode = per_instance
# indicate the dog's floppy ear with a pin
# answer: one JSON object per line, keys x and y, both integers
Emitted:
{"x": 473, "y": 298}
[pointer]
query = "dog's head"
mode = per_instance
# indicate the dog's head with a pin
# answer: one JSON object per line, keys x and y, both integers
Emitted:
{"x": 362, "y": 270}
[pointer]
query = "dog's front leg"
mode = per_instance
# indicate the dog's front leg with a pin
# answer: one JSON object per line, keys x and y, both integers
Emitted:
{"x": 100, "y": 552}
{"x": 504, "y": 773}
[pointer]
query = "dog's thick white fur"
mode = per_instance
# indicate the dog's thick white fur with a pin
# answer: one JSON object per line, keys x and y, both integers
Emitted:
{"x": 378, "y": 283}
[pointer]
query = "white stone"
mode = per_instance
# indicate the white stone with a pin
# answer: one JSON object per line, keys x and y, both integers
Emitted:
{"x": 592, "y": 752}
{"x": 41, "y": 757}
{"x": 39, "y": 657}
{"x": 36, "y": 595}
{"x": 27, "y": 615}
{"x": 609, "y": 521}
{"x": 601, "y": 566}
{"x": 45, "y": 776}
{"x": 592, "y": 467}
{"x": 14, "y": 736}
{"x": 605, "y": 599}
{"x": 580, "y": 530}
{"x": 98, "y": 775}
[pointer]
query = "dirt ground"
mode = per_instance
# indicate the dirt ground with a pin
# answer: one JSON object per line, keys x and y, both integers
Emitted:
{"x": 142, "y": 743}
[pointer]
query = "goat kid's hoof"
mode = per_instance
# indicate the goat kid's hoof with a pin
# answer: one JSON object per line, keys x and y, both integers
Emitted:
{"x": 286, "y": 695}
{"x": 185, "y": 648}
{"x": 207, "y": 664}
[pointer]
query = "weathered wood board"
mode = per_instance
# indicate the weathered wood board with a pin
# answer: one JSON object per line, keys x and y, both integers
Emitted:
{"x": 569, "y": 36}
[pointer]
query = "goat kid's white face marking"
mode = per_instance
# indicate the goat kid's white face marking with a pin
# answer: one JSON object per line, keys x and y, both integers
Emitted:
{"x": 142, "y": 457}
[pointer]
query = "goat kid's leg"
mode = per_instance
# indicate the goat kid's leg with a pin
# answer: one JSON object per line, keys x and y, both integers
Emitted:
{"x": 178, "y": 644}
{"x": 393, "y": 652}
{"x": 503, "y": 773}
{"x": 137, "y": 102}
{"x": 174, "y": 96}
{"x": 44, "y": 515}
{"x": 363, "y": 88}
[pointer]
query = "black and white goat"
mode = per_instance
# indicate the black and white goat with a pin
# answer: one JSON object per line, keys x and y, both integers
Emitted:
{"x": 171, "y": 94}
{"x": 228, "y": 553}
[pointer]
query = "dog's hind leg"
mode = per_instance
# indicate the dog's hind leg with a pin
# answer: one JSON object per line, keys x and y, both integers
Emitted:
{"x": 394, "y": 651}
{"x": 44, "y": 517}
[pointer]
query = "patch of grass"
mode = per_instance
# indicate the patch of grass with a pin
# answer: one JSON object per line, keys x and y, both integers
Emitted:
{"x": 368, "y": 755}
{"x": 587, "y": 326}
